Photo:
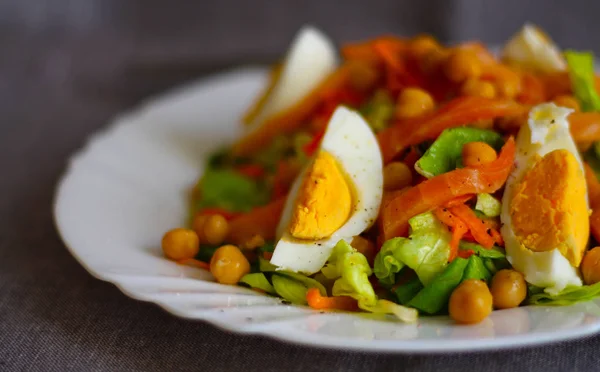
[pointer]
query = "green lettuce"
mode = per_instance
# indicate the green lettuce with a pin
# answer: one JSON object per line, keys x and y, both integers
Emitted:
{"x": 379, "y": 110}
{"x": 426, "y": 251}
{"x": 494, "y": 253}
{"x": 568, "y": 296}
{"x": 581, "y": 74}
{"x": 230, "y": 190}
{"x": 405, "y": 292}
{"x": 488, "y": 205}
{"x": 289, "y": 289}
{"x": 476, "y": 269}
{"x": 351, "y": 272}
{"x": 445, "y": 153}
{"x": 258, "y": 280}
{"x": 434, "y": 297}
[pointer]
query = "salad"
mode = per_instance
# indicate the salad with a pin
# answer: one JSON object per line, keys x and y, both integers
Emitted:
{"x": 400, "y": 176}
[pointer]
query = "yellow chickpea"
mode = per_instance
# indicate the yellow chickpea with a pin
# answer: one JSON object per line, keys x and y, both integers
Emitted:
{"x": 179, "y": 244}
{"x": 479, "y": 88}
{"x": 470, "y": 302}
{"x": 198, "y": 225}
{"x": 508, "y": 289}
{"x": 254, "y": 242}
{"x": 421, "y": 45}
{"x": 364, "y": 246}
{"x": 461, "y": 65}
{"x": 228, "y": 264}
{"x": 477, "y": 153}
{"x": 396, "y": 175}
{"x": 215, "y": 229}
{"x": 567, "y": 101}
{"x": 590, "y": 266}
{"x": 414, "y": 102}
{"x": 508, "y": 86}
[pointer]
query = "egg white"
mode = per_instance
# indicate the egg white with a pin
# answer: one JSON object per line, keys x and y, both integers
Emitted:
{"x": 533, "y": 49}
{"x": 310, "y": 59}
{"x": 547, "y": 130}
{"x": 350, "y": 140}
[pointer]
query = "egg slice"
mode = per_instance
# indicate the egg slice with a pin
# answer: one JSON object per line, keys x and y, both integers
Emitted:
{"x": 336, "y": 196}
{"x": 545, "y": 210}
{"x": 531, "y": 48}
{"x": 310, "y": 59}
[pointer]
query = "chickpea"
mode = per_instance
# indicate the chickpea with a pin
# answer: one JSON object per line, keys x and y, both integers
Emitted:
{"x": 228, "y": 264}
{"x": 215, "y": 229}
{"x": 396, "y": 176}
{"x": 470, "y": 302}
{"x": 179, "y": 244}
{"x": 567, "y": 101}
{"x": 254, "y": 242}
{"x": 462, "y": 64}
{"x": 508, "y": 289}
{"x": 364, "y": 246}
{"x": 421, "y": 45}
{"x": 477, "y": 153}
{"x": 508, "y": 87}
{"x": 483, "y": 124}
{"x": 198, "y": 225}
{"x": 413, "y": 102}
{"x": 590, "y": 266}
{"x": 479, "y": 88}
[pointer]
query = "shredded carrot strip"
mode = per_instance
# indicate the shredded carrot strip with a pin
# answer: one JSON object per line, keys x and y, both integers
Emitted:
{"x": 478, "y": 227}
{"x": 316, "y": 301}
{"x": 533, "y": 90}
{"x": 312, "y": 146}
{"x": 458, "y": 227}
{"x": 251, "y": 170}
{"x": 459, "y": 200}
{"x": 585, "y": 126}
{"x": 595, "y": 224}
{"x": 466, "y": 253}
{"x": 259, "y": 221}
{"x": 267, "y": 255}
{"x": 194, "y": 262}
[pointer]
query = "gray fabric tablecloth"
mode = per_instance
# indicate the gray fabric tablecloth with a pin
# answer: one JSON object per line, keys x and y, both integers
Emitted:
{"x": 67, "y": 67}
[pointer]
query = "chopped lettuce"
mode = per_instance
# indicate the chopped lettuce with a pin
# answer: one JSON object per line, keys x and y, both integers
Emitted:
{"x": 445, "y": 153}
{"x": 405, "y": 292}
{"x": 304, "y": 280}
{"x": 581, "y": 74}
{"x": 476, "y": 269}
{"x": 289, "y": 289}
{"x": 488, "y": 205}
{"x": 426, "y": 251}
{"x": 379, "y": 110}
{"x": 434, "y": 297}
{"x": 230, "y": 190}
{"x": 258, "y": 280}
{"x": 568, "y": 296}
{"x": 351, "y": 272}
{"x": 494, "y": 253}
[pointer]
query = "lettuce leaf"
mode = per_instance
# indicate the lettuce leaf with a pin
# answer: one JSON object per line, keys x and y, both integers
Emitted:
{"x": 445, "y": 153}
{"x": 581, "y": 74}
{"x": 434, "y": 297}
{"x": 379, "y": 110}
{"x": 351, "y": 272}
{"x": 405, "y": 292}
{"x": 476, "y": 269}
{"x": 568, "y": 296}
{"x": 493, "y": 253}
{"x": 258, "y": 280}
{"x": 488, "y": 205}
{"x": 289, "y": 289}
{"x": 230, "y": 190}
{"x": 426, "y": 251}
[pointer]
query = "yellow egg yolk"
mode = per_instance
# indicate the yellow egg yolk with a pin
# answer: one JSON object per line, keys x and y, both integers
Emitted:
{"x": 324, "y": 200}
{"x": 549, "y": 209}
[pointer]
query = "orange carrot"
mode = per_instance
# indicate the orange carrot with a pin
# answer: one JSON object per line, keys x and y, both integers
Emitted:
{"x": 259, "y": 221}
{"x": 593, "y": 186}
{"x": 292, "y": 118}
{"x": 459, "y": 229}
{"x": 459, "y": 200}
{"x": 194, "y": 262}
{"x": 284, "y": 176}
{"x": 476, "y": 226}
{"x": 317, "y": 301}
{"x": 460, "y": 111}
{"x": 251, "y": 170}
{"x": 267, "y": 255}
{"x": 465, "y": 253}
{"x": 533, "y": 90}
{"x": 438, "y": 190}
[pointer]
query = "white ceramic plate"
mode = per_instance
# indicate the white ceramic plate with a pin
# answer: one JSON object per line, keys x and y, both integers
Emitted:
{"x": 129, "y": 185}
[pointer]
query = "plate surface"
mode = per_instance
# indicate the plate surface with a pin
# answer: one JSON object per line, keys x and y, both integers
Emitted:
{"x": 129, "y": 185}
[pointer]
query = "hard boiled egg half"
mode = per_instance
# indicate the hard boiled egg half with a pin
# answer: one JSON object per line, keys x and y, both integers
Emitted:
{"x": 309, "y": 60}
{"x": 336, "y": 196}
{"x": 545, "y": 210}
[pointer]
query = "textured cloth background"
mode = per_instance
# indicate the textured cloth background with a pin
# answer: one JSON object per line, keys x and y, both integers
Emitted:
{"x": 67, "y": 67}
